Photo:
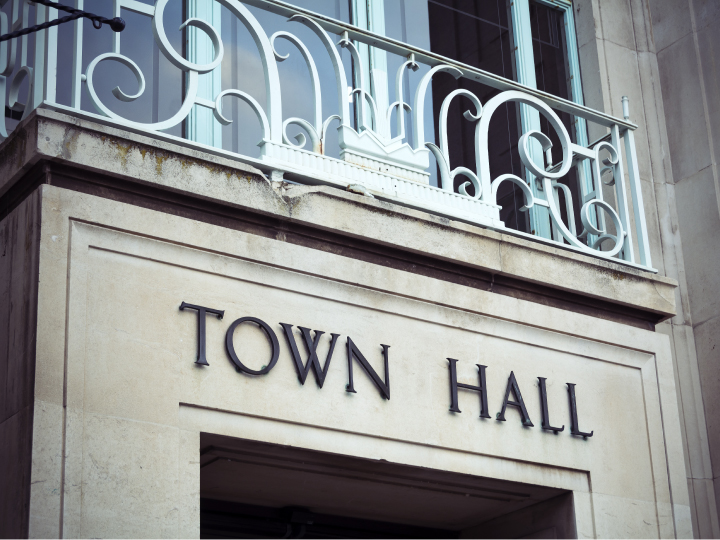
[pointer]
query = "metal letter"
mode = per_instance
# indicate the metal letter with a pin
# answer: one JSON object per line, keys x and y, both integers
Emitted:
{"x": 512, "y": 385}
{"x": 454, "y": 385}
{"x": 313, "y": 361}
{"x": 574, "y": 427}
{"x": 201, "y": 313}
{"x": 352, "y": 350}
{"x": 544, "y": 408}
{"x": 271, "y": 337}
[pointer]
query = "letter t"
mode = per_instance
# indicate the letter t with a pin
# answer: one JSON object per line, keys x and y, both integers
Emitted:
{"x": 201, "y": 314}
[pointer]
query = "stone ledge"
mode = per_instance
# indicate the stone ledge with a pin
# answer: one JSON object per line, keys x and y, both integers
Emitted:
{"x": 55, "y": 137}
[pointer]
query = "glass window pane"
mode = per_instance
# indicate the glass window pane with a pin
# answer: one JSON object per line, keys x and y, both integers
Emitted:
{"x": 162, "y": 97}
{"x": 474, "y": 33}
{"x": 478, "y": 34}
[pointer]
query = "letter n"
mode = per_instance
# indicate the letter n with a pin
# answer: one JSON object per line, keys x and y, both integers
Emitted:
{"x": 353, "y": 351}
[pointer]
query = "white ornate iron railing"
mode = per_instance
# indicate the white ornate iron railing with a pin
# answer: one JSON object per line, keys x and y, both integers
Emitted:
{"x": 376, "y": 158}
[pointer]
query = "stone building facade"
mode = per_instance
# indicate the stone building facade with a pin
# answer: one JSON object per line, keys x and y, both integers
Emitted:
{"x": 195, "y": 341}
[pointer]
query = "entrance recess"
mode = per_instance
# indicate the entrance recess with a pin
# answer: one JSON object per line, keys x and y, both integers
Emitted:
{"x": 260, "y": 490}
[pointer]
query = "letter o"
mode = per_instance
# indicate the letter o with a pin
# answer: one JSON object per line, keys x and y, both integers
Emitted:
{"x": 271, "y": 337}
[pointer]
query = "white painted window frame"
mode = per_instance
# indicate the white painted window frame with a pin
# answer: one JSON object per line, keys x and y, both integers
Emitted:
{"x": 370, "y": 15}
{"x": 200, "y": 125}
{"x": 530, "y": 117}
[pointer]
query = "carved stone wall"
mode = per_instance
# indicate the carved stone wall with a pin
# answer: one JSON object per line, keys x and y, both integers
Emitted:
{"x": 132, "y": 227}
{"x": 647, "y": 50}
{"x": 688, "y": 47}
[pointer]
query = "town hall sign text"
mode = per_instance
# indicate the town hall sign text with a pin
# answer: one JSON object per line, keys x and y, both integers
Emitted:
{"x": 513, "y": 396}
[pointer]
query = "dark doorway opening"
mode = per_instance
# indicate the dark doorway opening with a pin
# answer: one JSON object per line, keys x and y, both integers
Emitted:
{"x": 222, "y": 519}
{"x": 251, "y": 489}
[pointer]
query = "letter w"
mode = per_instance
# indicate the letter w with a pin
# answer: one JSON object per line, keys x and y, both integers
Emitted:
{"x": 311, "y": 345}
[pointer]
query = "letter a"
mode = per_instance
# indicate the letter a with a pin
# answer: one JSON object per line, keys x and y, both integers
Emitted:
{"x": 512, "y": 386}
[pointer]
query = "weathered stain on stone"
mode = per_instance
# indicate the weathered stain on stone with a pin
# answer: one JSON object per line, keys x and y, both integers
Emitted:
{"x": 122, "y": 150}
{"x": 159, "y": 160}
{"x": 616, "y": 275}
{"x": 13, "y": 149}
{"x": 69, "y": 142}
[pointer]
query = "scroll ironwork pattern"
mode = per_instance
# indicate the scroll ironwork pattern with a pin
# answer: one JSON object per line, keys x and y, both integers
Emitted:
{"x": 382, "y": 159}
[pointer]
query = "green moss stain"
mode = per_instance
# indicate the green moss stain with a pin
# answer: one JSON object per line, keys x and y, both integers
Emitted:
{"x": 159, "y": 160}
{"x": 122, "y": 151}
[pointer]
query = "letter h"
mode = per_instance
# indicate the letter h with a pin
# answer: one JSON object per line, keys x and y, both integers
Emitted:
{"x": 454, "y": 385}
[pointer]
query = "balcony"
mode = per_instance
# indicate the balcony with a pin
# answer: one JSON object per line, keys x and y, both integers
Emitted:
{"x": 309, "y": 89}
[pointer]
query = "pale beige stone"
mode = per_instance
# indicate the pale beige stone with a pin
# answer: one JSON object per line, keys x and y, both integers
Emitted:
{"x": 652, "y": 103}
{"x": 667, "y": 414}
{"x": 653, "y": 228}
{"x": 694, "y": 413}
{"x": 584, "y": 518}
{"x": 129, "y": 269}
{"x": 189, "y": 485}
{"x": 671, "y": 21}
{"x": 74, "y": 464}
{"x": 683, "y": 521}
{"x": 617, "y": 22}
{"x": 126, "y": 286}
{"x": 706, "y": 13}
{"x": 129, "y": 479}
{"x": 708, "y": 48}
{"x": 680, "y": 82}
{"x": 708, "y": 353}
{"x": 686, "y": 37}
{"x": 50, "y": 352}
{"x": 604, "y": 283}
{"x": 698, "y": 218}
{"x": 693, "y": 510}
{"x": 47, "y": 464}
{"x": 703, "y": 496}
{"x": 623, "y": 517}
{"x": 642, "y": 27}
{"x": 672, "y": 254}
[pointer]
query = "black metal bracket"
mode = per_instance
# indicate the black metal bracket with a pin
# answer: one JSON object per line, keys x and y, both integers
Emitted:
{"x": 116, "y": 24}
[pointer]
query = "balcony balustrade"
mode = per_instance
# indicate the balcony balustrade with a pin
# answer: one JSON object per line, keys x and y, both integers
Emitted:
{"x": 353, "y": 135}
